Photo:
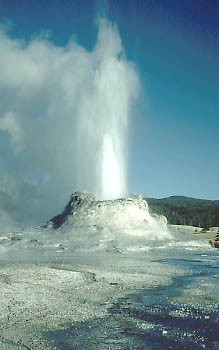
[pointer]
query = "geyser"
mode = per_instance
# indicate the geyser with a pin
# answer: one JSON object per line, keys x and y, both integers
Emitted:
{"x": 103, "y": 121}
{"x": 120, "y": 225}
{"x": 65, "y": 112}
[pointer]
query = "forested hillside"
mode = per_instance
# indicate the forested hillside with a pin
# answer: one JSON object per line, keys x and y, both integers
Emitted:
{"x": 180, "y": 210}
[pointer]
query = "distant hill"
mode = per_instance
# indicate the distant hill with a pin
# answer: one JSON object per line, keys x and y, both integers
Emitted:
{"x": 181, "y": 210}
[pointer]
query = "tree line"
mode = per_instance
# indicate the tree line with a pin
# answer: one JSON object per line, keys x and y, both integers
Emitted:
{"x": 181, "y": 210}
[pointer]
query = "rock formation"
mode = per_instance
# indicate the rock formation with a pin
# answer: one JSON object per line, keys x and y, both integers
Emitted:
{"x": 120, "y": 216}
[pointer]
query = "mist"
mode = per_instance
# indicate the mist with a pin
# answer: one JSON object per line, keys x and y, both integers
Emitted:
{"x": 64, "y": 123}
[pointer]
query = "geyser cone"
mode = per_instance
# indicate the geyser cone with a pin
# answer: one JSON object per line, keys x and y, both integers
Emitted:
{"x": 111, "y": 224}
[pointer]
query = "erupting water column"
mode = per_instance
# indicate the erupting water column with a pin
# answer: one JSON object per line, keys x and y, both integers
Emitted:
{"x": 113, "y": 109}
{"x": 115, "y": 83}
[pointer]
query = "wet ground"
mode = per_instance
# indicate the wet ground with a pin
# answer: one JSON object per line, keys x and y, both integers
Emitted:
{"x": 181, "y": 315}
{"x": 163, "y": 295}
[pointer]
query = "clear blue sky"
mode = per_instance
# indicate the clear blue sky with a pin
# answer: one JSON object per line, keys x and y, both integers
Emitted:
{"x": 175, "y": 47}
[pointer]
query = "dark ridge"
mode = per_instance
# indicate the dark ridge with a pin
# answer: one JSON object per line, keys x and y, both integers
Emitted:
{"x": 181, "y": 210}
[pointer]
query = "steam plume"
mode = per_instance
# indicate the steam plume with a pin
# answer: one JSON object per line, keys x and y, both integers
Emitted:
{"x": 64, "y": 112}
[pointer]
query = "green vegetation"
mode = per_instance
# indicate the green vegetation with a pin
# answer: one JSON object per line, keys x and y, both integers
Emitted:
{"x": 180, "y": 210}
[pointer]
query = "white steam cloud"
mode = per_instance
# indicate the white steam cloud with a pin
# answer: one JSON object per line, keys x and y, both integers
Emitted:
{"x": 64, "y": 114}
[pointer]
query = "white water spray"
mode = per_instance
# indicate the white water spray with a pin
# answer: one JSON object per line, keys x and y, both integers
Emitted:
{"x": 69, "y": 123}
{"x": 104, "y": 117}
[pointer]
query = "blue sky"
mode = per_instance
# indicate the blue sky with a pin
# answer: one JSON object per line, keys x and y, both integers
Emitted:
{"x": 175, "y": 47}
